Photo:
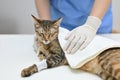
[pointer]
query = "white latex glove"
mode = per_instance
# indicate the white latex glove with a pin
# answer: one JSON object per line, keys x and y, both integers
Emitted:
{"x": 81, "y": 36}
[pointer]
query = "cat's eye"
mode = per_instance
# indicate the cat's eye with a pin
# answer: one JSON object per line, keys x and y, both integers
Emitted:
{"x": 41, "y": 34}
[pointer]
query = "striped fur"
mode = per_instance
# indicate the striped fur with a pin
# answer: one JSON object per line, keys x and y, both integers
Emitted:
{"x": 106, "y": 65}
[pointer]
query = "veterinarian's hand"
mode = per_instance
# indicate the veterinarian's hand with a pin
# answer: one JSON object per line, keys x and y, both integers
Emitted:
{"x": 81, "y": 36}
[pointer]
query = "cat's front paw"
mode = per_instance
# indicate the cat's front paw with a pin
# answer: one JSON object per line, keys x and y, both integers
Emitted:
{"x": 29, "y": 71}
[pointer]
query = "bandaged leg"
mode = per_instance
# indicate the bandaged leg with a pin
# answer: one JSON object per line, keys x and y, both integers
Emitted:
{"x": 41, "y": 65}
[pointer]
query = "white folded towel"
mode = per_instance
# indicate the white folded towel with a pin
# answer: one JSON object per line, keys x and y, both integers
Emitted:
{"x": 97, "y": 45}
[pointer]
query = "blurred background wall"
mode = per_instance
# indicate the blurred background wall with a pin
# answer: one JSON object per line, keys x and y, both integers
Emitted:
{"x": 15, "y": 16}
{"x": 116, "y": 14}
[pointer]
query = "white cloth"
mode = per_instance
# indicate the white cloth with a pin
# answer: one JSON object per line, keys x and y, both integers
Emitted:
{"x": 97, "y": 45}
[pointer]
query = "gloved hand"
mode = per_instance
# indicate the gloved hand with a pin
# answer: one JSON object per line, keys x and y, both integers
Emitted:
{"x": 81, "y": 36}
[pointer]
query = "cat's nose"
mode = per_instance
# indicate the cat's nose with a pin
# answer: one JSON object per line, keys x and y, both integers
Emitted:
{"x": 46, "y": 40}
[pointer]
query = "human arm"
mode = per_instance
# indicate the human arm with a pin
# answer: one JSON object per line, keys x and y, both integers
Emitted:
{"x": 81, "y": 36}
{"x": 100, "y": 7}
{"x": 43, "y": 9}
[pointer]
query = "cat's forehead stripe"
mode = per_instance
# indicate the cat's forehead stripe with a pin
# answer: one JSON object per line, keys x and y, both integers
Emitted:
{"x": 46, "y": 24}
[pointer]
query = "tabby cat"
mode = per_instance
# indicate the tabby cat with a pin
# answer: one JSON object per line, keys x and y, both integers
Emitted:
{"x": 106, "y": 65}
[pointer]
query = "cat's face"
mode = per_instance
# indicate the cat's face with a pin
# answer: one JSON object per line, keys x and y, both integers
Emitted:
{"x": 46, "y": 30}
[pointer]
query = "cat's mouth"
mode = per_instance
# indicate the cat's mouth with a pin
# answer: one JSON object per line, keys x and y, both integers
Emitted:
{"x": 46, "y": 42}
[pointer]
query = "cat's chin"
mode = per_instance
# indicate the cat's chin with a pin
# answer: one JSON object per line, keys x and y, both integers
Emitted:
{"x": 46, "y": 42}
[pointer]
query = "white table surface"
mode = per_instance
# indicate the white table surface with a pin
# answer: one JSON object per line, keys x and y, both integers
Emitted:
{"x": 16, "y": 53}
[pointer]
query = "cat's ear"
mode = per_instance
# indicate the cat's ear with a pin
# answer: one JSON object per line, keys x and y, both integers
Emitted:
{"x": 57, "y": 22}
{"x": 36, "y": 20}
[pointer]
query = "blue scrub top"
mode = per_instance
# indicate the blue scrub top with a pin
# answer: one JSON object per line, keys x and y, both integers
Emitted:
{"x": 75, "y": 13}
